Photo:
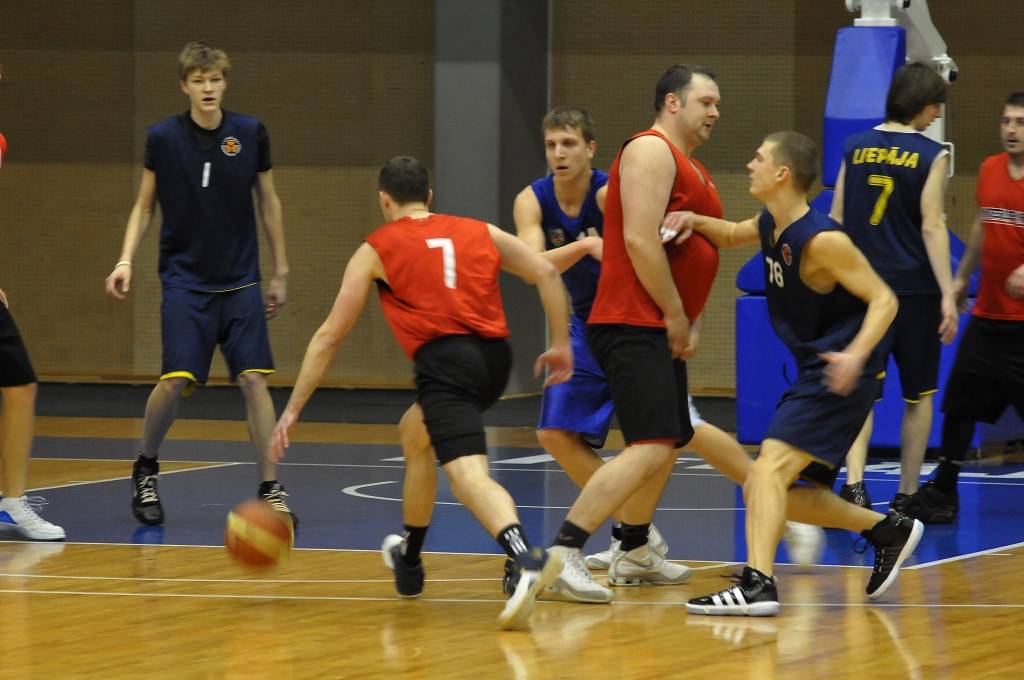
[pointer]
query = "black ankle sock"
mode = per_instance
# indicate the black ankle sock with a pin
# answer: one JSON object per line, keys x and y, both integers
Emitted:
{"x": 512, "y": 540}
{"x": 946, "y": 477}
{"x": 956, "y": 437}
{"x": 146, "y": 465}
{"x": 571, "y": 536}
{"x": 634, "y": 535}
{"x": 617, "y": 532}
{"x": 267, "y": 485}
{"x": 414, "y": 537}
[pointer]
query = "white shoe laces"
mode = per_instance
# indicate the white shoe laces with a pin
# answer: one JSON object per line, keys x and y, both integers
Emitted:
{"x": 147, "y": 489}
{"x": 275, "y": 498}
{"x": 579, "y": 567}
{"x": 26, "y": 512}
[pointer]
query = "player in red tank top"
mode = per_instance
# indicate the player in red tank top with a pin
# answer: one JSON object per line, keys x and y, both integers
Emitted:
{"x": 640, "y": 321}
{"x": 988, "y": 372}
{"x": 438, "y": 281}
{"x": 18, "y": 388}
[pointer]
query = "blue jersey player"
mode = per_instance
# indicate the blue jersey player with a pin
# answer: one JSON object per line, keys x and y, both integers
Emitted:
{"x": 889, "y": 199}
{"x": 832, "y": 311}
{"x": 204, "y": 166}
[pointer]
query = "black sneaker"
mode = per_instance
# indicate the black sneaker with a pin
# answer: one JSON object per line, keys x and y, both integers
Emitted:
{"x": 899, "y": 503}
{"x": 856, "y": 493}
{"x": 145, "y": 498}
{"x": 754, "y": 595}
{"x": 274, "y": 494}
{"x": 894, "y": 539}
{"x": 933, "y": 506}
{"x": 408, "y": 580}
{"x": 510, "y": 578}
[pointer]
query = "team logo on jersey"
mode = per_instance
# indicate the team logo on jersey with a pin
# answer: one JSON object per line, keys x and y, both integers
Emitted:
{"x": 557, "y": 237}
{"x": 231, "y": 146}
{"x": 787, "y": 254}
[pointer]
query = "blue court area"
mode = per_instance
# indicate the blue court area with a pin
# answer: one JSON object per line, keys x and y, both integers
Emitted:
{"x": 347, "y": 496}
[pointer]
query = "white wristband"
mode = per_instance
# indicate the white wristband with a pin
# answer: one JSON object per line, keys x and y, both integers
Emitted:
{"x": 123, "y": 263}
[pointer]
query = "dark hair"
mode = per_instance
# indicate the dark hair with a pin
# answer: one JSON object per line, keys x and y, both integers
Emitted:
{"x": 405, "y": 180}
{"x": 1015, "y": 99}
{"x": 676, "y": 79}
{"x": 567, "y": 117}
{"x": 798, "y": 153}
{"x": 914, "y": 86}
{"x": 200, "y": 56}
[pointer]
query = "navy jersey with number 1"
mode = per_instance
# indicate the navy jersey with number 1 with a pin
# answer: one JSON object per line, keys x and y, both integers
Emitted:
{"x": 885, "y": 174}
{"x": 560, "y": 229}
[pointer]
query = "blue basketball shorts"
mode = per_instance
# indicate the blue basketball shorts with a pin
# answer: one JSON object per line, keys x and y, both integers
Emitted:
{"x": 194, "y": 322}
{"x": 582, "y": 404}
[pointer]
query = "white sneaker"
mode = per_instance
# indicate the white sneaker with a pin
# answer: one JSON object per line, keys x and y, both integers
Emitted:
{"x": 530, "y": 584}
{"x": 574, "y": 583}
{"x": 643, "y": 566}
{"x": 604, "y": 559}
{"x": 19, "y": 519}
{"x": 805, "y": 543}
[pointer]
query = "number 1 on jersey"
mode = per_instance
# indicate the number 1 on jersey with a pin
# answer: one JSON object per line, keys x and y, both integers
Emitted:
{"x": 447, "y": 258}
{"x": 887, "y": 185}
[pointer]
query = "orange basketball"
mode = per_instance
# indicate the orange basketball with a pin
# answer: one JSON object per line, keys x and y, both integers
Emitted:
{"x": 256, "y": 535}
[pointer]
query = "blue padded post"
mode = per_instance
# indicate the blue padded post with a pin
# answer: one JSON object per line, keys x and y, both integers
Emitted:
{"x": 864, "y": 60}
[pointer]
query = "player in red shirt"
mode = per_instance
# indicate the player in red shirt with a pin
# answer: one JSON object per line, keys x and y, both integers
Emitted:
{"x": 18, "y": 386}
{"x": 639, "y": 323}
{"x": 988, "y": 373}
{"x": 437, "y": 276}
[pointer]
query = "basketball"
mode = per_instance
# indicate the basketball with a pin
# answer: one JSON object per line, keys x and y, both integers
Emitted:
{"x": 256, "y": 535}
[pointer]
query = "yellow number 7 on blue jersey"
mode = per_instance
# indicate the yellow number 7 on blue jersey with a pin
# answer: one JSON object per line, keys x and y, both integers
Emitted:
{"x": 887, "y": 185}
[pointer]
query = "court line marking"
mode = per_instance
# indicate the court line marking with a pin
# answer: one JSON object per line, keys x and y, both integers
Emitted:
{"x": 496, "y": 466}
{"x": 966, "y": 556}
{"x": 395, "y": 598}
{"x": 354, "y": 490}
{"x": 209, "y": 466}
{"x": 283, "y": 581}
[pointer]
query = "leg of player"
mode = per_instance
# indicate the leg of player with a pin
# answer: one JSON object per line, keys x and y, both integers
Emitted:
{"x": 917, "y": 425}
{"x": 259, "y": 409}
{"x": 419, "y": 490}
{"x": 161, "y": 412}
{"x": 805, "y": 542}
{"x": 17, "y": 517}
{"x": 854, "y": 490}
{"x": 638, "y": 562}
{"x": 494, "y": 508}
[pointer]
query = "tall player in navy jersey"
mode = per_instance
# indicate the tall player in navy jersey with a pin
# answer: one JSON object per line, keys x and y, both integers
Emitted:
{"x": 889, "y": 199}
{"x": 831, "y": 310}
{"x": 203, "y": 167}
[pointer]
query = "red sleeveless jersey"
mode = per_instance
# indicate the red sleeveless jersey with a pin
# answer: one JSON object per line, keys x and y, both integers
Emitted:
{"x": 1001, "y": 200}
{"x": 442, "y": 279}
{"x": 621, "y": 298}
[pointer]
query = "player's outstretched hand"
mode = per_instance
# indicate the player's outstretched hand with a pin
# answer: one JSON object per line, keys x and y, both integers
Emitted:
{"x": 950, "y": 319}
{"x": 842, "y": 370}
{"x": 1015, "y": 282}
{"x": 119, "y": 281}
{"x": 677, "y": 226}
{"x": 279, "y": 437}
{"x": 558, "y": 362}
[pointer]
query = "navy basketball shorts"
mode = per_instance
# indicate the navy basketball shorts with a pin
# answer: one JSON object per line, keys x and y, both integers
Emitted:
{"x": 916, "y": 347}
{"x": 582, "y": 404}
{"x": 988, "y": 372}
{"x": 194, "y": 322}
{"x": 820, "y": 423}
{"x": 648, "y": 386}
{"x": 458, "y": 377}
{"x": 15, "y": 367}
